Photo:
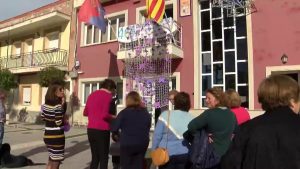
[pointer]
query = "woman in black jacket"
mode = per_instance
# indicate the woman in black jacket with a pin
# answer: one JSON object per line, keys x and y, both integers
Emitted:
{"x": 272, "y": 140}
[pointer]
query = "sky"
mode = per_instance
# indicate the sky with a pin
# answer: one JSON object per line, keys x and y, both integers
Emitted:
{"x": 11, "y": 8}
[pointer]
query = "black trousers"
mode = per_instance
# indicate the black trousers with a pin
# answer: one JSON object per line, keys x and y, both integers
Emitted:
{"x": 177, "y": 162}
{"x": 132, "y": 157}
{"x": 99, "y": 142}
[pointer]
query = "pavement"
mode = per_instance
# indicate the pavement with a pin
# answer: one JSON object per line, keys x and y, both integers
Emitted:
{"x": 27, "y": 140}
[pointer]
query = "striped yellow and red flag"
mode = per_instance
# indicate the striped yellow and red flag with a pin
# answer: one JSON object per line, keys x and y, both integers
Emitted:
{"x": 155, "y": 9}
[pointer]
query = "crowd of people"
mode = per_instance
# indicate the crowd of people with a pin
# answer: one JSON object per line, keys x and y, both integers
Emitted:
{"x": 222, "y": 137}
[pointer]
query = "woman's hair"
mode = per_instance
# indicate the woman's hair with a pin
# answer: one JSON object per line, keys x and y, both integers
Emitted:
{"x": 51, "y": 93}
{"x": 182, "y": 101}
{"x": 133, "y": 99}
{"x": 276, "y": 91}
{"x": 219, "y": 94}
{"x": 173, "y": 92}
{"x": 233, "y": 98}
{"x": 108, "y": 84}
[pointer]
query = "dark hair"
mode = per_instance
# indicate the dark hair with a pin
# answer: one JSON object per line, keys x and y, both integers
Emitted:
{"x": 182, "y": 101}
{"x": 219, "y": 94}
{"x": 133, "y": 99}
{"x": 276, "y": 91}
{"x": 51, "y": 97}
{"x": 108, "y": 84}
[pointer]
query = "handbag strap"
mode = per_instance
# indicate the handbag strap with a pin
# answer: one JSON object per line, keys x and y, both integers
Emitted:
{"x": 168, "y": 125}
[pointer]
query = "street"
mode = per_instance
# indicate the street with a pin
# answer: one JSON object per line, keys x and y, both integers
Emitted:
{"x": 27, "y": 140}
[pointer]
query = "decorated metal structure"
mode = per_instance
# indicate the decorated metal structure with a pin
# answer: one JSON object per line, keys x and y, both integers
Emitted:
{"x": 148, "y": 66}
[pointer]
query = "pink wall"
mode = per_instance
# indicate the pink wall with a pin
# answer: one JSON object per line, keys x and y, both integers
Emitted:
{"x": 276, "y": 30}
{"x": 97, "y": 61}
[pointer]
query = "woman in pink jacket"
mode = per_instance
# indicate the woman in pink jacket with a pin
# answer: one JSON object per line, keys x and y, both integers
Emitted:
{"x": 234, "y": 103}
{"x": 99, "y": 117}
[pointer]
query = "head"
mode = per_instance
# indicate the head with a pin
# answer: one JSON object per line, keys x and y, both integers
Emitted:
{"x": 109, "y": 84}
{"x": 55, "y": 92}
{"x": 233, "y": 98}
{"x": 277, "y": 91}
{"x": 133, "y": 99}
{"x": 172, "y": 95}
{"x": 215, "y": 97}
{"x": 182, "y": 101}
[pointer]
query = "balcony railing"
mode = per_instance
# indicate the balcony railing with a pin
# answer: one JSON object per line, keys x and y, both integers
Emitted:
{"x": 55, "y": 57}
{"x": 168, "y": 32}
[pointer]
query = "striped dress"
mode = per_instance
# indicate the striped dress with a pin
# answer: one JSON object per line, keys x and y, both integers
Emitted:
{"x": 54, "y": 136}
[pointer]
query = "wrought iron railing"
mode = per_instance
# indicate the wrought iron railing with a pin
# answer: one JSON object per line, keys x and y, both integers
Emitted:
{"x": 55, "y": 57}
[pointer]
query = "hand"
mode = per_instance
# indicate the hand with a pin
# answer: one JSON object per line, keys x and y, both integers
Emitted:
{"x": 210, "y": 140}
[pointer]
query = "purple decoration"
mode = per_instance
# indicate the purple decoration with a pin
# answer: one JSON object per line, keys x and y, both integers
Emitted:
{"x": 142, "y": 66}
{"x": 156, "y": 105}
{"x": 161, "y": 80}
{"x": 138, "y": 50}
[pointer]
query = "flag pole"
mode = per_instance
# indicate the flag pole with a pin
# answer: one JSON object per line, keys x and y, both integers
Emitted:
{"x": 113, "y": 30}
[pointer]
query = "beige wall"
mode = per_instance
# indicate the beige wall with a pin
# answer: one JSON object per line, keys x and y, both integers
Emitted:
{"x": 65, "y": 36}
{"x": 32, "y": 81}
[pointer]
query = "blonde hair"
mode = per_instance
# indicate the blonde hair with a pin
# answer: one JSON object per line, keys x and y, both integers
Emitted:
{"x": 133, "y": 99}
{"x": 233, "y": 98}
{"x": 218, "y": 93}
{"x": 276, "y": 91}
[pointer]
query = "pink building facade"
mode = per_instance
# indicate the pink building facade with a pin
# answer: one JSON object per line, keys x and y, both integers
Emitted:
{"x": 229, "y": 52}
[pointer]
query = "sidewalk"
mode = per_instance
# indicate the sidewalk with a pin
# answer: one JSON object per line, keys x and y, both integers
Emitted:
{"x": 27, "y": 132}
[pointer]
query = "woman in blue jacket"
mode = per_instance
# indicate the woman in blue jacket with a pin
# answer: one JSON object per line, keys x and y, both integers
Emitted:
{"x": 170, "y": 135}
{"x": 134, "y": 122}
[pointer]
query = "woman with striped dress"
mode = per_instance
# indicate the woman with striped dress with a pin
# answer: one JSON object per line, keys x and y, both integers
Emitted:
{"x": 54, "y": 117}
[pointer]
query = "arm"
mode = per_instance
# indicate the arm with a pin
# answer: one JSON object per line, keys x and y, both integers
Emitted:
{"x": 198, "y": 122}
{"x": 117, "y": 123}
{"x": 42, "y": 113}
{"x": 59, "y": 115}
{"x": 158, "y": 134}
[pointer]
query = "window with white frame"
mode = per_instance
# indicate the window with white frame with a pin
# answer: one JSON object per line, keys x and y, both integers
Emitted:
{"x": 93, "y": 35}
{"x": 224, "y": 52}
{"x": 168, "y": 13}
{"x": 26, "y": 95}
{"x": 52, "y": 40}
{"x": 89, "y": 87}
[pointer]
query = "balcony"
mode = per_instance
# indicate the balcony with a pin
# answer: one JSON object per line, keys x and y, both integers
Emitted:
{"x": 151, "y": 39}
{"x": 34, "y": 61}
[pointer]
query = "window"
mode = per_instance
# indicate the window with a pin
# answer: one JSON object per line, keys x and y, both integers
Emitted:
{"x": 90, "y": 87}
{"x": 26, "y": 95}
{"x": 52, "y": 40}
{"x": 92, "y": 34}
{"x": 16, "y": 49}
{"x": 223, "y": 51}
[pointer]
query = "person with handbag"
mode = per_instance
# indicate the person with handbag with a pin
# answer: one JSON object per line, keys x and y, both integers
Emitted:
{"x": 134, "y": 122}
{"x": 168, "y": 134}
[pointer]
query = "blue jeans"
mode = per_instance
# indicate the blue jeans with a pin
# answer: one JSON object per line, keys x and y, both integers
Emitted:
{"x": 1, "y": 132}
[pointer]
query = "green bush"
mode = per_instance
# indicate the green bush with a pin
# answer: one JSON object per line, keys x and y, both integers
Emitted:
{"x": 7, "y": 80}
{"x": 51, "y": 74}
